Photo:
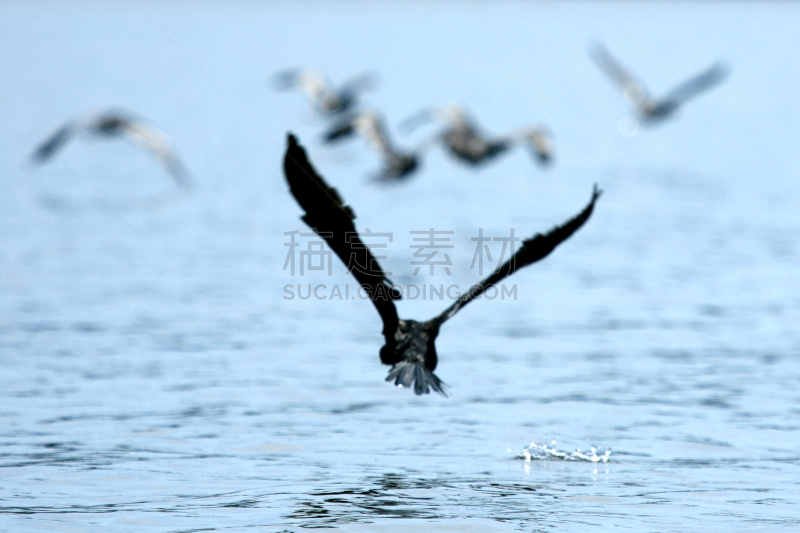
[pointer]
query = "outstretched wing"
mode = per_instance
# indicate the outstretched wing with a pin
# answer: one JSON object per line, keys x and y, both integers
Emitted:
{"x": 705, "y": 80}
{"x": 157, "y": 143}
{"x": 458, "y": 119}
{"x": 364, "y": 81}
{"x": 532, "y": 250}
{"x": 371, "y": 127}
{"x": 332, "y": 220}
{"x": 368, "y": 124}
{"x": 45, "y": 150}
{"x": 312, "y": 83}
{"x": 634, "y": 90}
{"x": 541, "y": 144}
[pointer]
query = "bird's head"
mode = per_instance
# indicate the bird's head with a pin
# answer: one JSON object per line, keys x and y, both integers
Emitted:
{"x": 110, "y": 124}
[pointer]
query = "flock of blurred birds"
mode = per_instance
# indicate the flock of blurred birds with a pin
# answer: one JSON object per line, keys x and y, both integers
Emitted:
{"x": 409, "y": 344}
{"x": 461, "y": 136}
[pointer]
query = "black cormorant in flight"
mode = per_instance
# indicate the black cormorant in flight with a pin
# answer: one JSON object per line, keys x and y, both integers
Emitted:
{"x": 409, "y": 345}
{"x": 648, "y": 109}
{"x": 118, "y": 124}
{"x": 325, "y": 98}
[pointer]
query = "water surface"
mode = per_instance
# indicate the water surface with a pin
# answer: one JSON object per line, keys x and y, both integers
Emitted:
{"x": 155, "y": 379}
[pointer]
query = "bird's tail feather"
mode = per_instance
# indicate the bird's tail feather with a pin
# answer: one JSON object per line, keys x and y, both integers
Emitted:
{"x": 408, "y": 374}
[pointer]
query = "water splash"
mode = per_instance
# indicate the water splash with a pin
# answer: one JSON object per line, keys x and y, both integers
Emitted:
{"x": 544, "y": 452}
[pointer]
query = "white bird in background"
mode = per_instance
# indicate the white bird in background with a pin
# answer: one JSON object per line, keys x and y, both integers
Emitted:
{"x": 648, "y": 109}
{"x": 325, "y": 98}
{"x": 464, "y": 139}
{"x": 397, "y": 163}
{"x": 118, "y": 124}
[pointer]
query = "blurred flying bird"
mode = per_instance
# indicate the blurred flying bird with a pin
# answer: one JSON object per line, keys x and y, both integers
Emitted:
{"x": 397, "y": 164}
{"x": 409, "y": 345}
{"x": 325, "y": 98}
{"x": 118, "y": 124}
{"x": 464, "y": 139}
{"x": 648, "y": 109}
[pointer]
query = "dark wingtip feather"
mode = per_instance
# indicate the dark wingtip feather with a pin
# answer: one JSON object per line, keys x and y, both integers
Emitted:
{"x": 53, "y": 143}
{"x": 596, "y": 193}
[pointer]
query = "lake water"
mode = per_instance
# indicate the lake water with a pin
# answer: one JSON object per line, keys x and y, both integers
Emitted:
{"x": 156, "y": 377}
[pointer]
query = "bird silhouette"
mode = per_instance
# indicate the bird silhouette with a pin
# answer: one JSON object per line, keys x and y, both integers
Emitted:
{"x": 326, "y": 99}
{"x": 409, "y": 345}
{"x": 118, "y": 124}
{"x": 648, "y": 109}
{"x": 464, "y": 139}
